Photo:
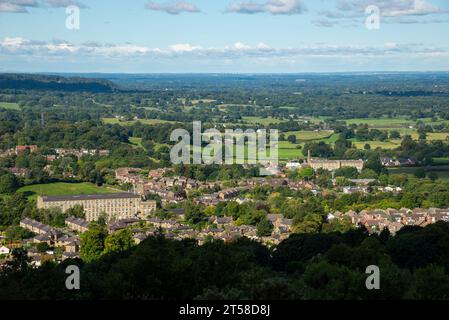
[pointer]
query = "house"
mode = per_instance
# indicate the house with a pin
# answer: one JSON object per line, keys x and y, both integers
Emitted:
{"x": 125, "y": 175}
{"x": 43, "y": 238}
{"x": 22, "y": 149}
{"x": 293, "y": 165}
{"x": 285, "y": 224}
{"x": 50, "y": 157}
{"x": 20, "y": 172}
{"x": 158, "y": 173}
{"x": 122, "y": 224}
{"x": 77, "y": 224}
{"x": 73, "y": 247}
{"x": 274, "y": 218}
{"x": 70, "y": 255}
{"x": 229, "y": 193}
{"x": 103, "y": 153}
{"x": 4, "y": 251}
{"x": 138, "y": 238}
{"x": 351, "y": 190}
{"x": 39, "y": 228}
{"x": 221, "y": 221}
{"x": 389, "y": 162}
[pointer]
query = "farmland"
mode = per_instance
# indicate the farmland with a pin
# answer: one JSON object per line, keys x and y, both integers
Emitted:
{"x": 9, "y": 105}
{"x": 129, "y": 123}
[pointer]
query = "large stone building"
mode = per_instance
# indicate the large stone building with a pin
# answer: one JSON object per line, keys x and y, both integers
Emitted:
{"x": 115, "y": 205}
{"x": 333, "y": 165}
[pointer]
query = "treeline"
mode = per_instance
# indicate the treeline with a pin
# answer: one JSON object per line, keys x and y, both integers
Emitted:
{"x": 413, "y": 265}
{"x": 53, "y": 83}
{"x": 202, "y": 97}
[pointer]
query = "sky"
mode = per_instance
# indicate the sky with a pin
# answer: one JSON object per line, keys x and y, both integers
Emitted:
{"x": 223, "y": 36}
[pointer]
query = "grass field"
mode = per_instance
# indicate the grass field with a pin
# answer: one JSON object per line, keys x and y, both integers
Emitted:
{"x": 310, "y": 135}
{"x": 63, "y": 189}
{"x": 377, "y": 144}
{"x": 441, "y": 170}
{"x": 383, "y": 122}
{"x": 129, "y": 123}
{"x": 441, "y": 161}
{"x": 136, "y": 142}
{"x": 10, "y": 105}
{"x": 262, "y": 121}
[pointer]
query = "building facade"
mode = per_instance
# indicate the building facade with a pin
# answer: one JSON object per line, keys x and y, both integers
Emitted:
{"x": 114, "y": 205}
{"x": 333, "y": 165}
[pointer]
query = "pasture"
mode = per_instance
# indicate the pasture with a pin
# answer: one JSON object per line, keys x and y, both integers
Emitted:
{"x": 9, "y": 105}
{"x": 130, "y": 123}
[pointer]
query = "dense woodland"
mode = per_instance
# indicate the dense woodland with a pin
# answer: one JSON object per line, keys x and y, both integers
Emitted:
{"x": 413, "y": 265}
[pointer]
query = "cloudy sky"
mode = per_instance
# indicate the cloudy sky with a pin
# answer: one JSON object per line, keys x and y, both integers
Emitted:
{"x": 224, "y": 36}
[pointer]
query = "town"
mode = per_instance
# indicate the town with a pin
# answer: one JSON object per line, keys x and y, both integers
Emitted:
{"x": 135, "y": 211}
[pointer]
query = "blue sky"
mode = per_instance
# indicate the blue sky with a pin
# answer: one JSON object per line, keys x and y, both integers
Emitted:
{"x": 257, "y": 36}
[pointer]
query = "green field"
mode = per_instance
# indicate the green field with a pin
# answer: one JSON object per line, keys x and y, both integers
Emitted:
{"x": 10, "y": 105}
{"x": 63, "y": 189}
{"x": 377, "y": 144}
{"x": 136, "y": 142}
{"x": 383, "y": 122}
{"x": 441, "y": 161}
{"x": 310, "y": 135}
{"x": 262, "y": 121}
{"x": 129, "y": 123}
{"x": 441, "y": 170}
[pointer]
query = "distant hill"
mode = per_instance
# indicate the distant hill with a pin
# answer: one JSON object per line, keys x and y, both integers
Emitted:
{"x": 54, "y": 83}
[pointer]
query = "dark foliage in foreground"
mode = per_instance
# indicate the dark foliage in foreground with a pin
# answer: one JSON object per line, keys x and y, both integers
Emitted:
{"x": 414, "y": 265}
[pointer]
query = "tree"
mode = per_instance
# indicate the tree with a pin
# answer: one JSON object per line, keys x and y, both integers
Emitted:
{"x": 374, "y": 164}
{"x": 76, "y": 211}
{"x": 264, "y": 228}
{"x": 420, "y": 173}
{"x": 433, "y": 176}
{"x": 347, "y": 172}
{"x": 395, "y": 134}
{"x": 42, "y": 247}
{"x": 119, "y": 241}
{"x": 305, "y": 173}
{"x": 292, "y": 139}
{"x": 422, "y": 136}
{"x": 15, "y": 233}
{"x": 8, "y": 183}
{"x": 92, "y": 243}
{"x": 412, "y": 200}
{"x": 341, "y": 146}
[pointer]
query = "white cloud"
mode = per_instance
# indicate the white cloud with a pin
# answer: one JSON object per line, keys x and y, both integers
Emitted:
{"x": 22, "y": 6}
{"x": 263, "y": 46}
{"x": 391, "y": 11}
{"x": 246, "y": 7}
{"x": 241, "y": 46}
{"x": 14, "y": 47}
{"x": 285, "y": 7}
{"x": 64, "y": 3}
{"x": 17, "y": 6}
{"x": 176, "y": 7}
{"x": 391, "y": 45}
{"x": 391, "y": 8}
{"x": 183, "y": 47}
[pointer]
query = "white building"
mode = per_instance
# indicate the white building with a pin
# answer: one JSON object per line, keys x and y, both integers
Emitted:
{"x": 4, "y": 251}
